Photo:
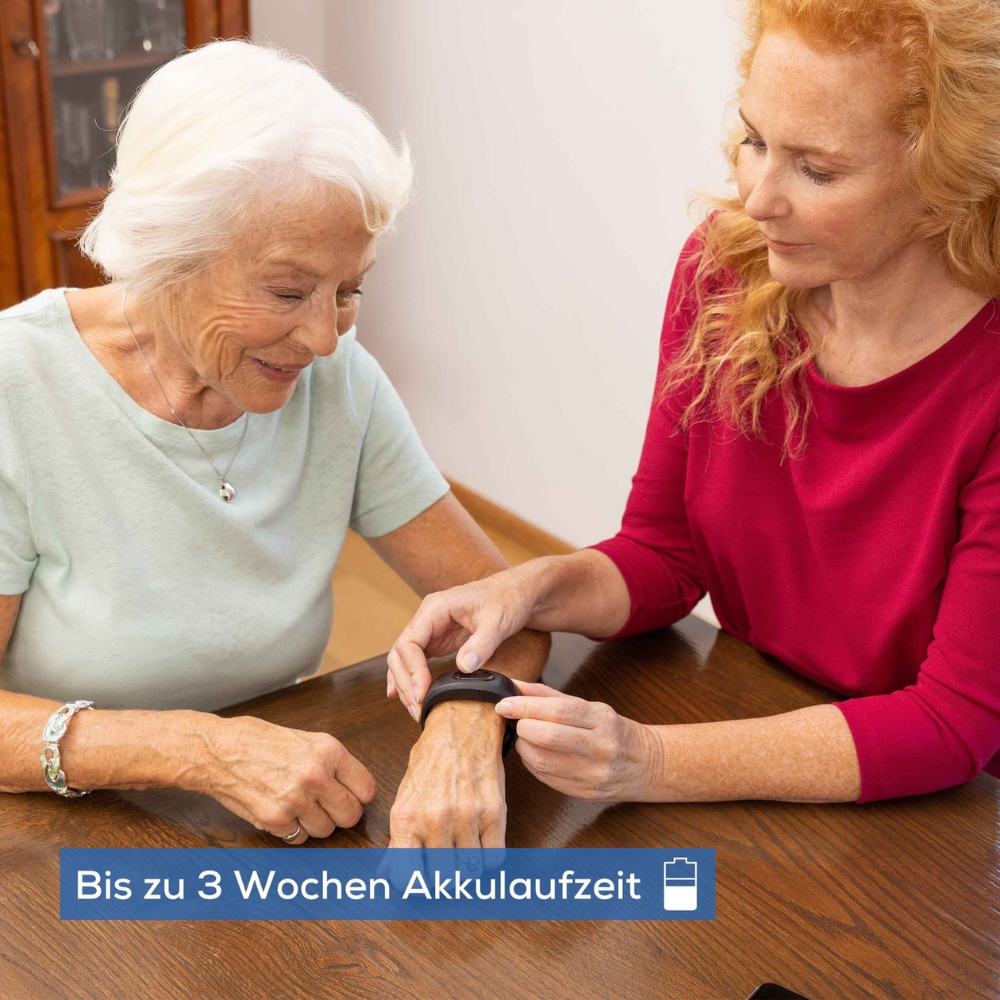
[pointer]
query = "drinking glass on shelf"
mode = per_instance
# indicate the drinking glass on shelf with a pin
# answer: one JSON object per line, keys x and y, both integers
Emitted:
{"x": 75, "y": 143}
{"x": 90, "y": 28}
{"x": 161, "y": 25}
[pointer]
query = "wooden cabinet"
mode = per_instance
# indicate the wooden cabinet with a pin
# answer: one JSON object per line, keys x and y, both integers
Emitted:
{"x": 67, "y": 69}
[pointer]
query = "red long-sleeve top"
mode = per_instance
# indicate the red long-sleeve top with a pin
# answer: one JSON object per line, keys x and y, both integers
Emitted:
{"x": 870, "y": 565}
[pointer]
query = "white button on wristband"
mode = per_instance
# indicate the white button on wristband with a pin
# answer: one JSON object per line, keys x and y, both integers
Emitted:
{"x": 54, "y": 731}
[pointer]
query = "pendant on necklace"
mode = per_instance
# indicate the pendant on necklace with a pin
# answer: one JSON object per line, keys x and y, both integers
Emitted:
{"x": 226, "y": 492}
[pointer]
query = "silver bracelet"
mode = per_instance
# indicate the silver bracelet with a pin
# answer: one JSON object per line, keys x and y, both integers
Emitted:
{"x": 54, "y": 731}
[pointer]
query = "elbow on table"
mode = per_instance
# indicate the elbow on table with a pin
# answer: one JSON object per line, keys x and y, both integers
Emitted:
{"x": 907, "y": 746}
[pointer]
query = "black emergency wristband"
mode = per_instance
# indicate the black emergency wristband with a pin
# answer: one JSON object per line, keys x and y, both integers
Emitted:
{"x": 480, "y": 685}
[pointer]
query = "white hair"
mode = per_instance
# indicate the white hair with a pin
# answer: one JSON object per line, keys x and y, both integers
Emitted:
{"x": 212, "y": 137}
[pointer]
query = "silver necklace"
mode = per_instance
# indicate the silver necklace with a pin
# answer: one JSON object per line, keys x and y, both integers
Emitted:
{"x": 226, "y": 490}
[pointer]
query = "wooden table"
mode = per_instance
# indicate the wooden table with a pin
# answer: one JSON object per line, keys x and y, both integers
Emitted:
{"x": 895, "y": 899}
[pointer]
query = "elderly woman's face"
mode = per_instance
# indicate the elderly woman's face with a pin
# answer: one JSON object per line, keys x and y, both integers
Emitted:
{"x": 818, "y": 167}
{"x": 281, "y": 304}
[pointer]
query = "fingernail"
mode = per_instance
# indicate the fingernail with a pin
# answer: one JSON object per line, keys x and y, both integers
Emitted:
{"x": 470, "y": 662}
{"x": 413, "y": 712}
{"x": 416, "y": 696}
{"x": 388, "y": 690}
{"x": 504, "y": 707}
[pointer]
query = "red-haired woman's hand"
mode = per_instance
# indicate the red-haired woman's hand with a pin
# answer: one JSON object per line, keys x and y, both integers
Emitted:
{"x": 472, "y": 620}
{"x": 582, "y": 748}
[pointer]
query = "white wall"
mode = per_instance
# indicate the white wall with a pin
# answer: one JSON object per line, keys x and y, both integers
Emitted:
{"x": 296, "y": 25}
{"x": 518, "y": 307}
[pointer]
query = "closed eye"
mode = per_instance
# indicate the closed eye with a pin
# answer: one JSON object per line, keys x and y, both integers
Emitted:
{"x": 758, "y": 146}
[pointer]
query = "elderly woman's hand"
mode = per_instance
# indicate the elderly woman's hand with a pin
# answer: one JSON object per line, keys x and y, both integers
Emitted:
{"x": 453, "y": 792}
{"x": 582, "y": 748}
{"x": 278, "y": 778}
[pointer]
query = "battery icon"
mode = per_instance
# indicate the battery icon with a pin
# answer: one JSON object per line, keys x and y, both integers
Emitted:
{"x": 680, "y": 884}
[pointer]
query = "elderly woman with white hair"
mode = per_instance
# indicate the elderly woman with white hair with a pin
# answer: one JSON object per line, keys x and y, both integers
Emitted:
{"x": 183, "y": 449}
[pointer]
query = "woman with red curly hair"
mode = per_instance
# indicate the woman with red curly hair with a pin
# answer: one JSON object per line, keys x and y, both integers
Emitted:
{"x": 822, "y": 454}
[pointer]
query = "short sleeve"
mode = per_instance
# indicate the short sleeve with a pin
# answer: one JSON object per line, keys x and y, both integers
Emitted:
{"x": 943, "y": 729}
{"x": 654, "y": 551}
{"x": 18, "y": 557}
{"x": 396, "y": 479}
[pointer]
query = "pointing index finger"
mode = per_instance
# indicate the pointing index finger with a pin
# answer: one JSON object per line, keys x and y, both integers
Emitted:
{"x": 565, "y": 709}
{"x": 538, "y": 690}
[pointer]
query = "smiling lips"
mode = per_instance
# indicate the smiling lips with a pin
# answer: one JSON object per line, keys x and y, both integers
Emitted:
{"x": 282, "y": 368}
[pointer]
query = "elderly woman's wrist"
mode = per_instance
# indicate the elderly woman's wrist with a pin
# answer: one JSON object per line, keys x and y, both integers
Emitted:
{"x": 465, "y": 722}
{"x": 189, "y": 751}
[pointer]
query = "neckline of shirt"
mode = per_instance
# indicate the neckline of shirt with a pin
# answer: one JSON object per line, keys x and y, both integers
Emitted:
{"x": 147, "y": 422}
{"x": 940, "y": 355}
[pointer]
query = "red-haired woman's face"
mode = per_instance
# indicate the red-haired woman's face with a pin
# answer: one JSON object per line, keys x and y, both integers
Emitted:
{"x": 818, "y": 167}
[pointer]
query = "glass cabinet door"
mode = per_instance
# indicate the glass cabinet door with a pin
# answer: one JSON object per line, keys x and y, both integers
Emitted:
{"x": 99, "y": 52}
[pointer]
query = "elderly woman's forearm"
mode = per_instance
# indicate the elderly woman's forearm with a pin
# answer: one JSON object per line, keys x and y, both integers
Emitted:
{"x": 523, "y": 657}
{"x": 803, "y": 756}
{"x": 104, "y": 749}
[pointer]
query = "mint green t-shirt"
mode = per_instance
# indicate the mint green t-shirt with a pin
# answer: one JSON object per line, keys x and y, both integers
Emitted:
{"x": 141, "y": 587}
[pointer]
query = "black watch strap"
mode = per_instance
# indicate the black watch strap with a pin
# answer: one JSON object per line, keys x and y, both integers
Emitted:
{"x": 480, "y": 685}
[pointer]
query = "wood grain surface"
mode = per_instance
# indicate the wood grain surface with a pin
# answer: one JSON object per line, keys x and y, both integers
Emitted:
{"x": 892, "y": 900}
